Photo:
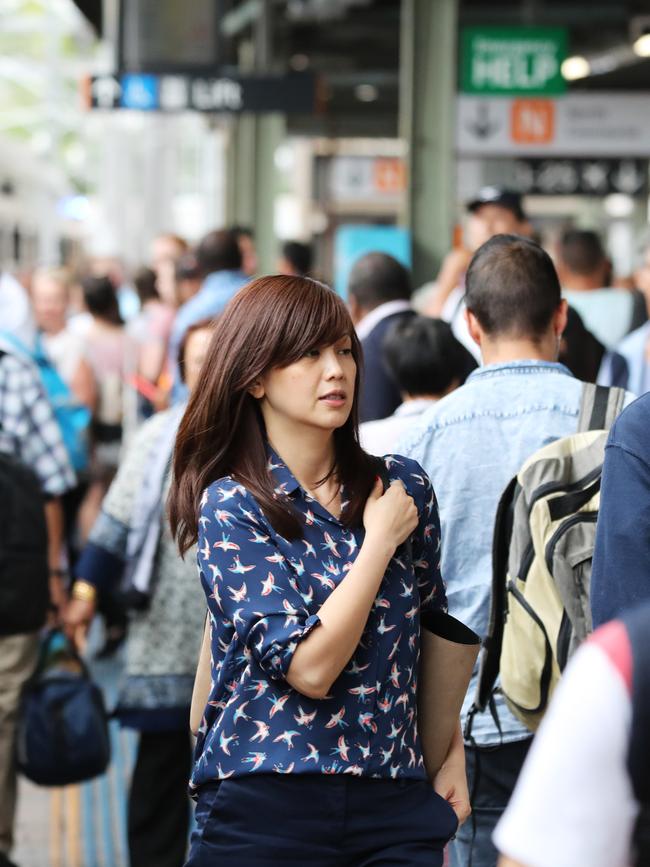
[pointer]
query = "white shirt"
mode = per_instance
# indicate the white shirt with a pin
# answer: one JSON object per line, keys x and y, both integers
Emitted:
{"x": 380, "y": 437}
{"x": 370, "y": 320}
{"x": 573, "y": 805}
{"x": 65, "y": 350}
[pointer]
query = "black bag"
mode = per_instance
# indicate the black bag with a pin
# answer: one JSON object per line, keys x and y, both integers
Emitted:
{"x": 24, "y": 574}
{"x": 63, "y": 732}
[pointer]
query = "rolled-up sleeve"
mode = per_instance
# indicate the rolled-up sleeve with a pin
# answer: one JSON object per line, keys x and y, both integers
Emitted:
{"x": 426, "y": 546}
{"x": 249, "y": 582}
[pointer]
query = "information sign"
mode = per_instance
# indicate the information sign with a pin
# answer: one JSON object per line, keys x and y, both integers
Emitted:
{"x": 512, "y": 60}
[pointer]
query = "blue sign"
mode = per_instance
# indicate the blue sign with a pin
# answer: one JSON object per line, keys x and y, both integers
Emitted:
{"x": 139, "y": 92}
{"x": 353, "y": 241}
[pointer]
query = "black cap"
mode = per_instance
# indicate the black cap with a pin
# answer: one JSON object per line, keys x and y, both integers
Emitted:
{"x": 498, "y": 196}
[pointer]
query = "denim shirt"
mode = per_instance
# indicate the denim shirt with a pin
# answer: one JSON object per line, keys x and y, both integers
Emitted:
{"x": 264, "y": 593}
{"x": 471, "y": 443}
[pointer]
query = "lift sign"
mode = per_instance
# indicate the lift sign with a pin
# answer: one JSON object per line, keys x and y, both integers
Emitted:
{"x": 510, "y": 61}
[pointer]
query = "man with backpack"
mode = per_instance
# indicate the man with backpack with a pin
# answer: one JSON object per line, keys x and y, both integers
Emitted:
{"x": 34, "y": 473}
{"x": 471, "y": 444}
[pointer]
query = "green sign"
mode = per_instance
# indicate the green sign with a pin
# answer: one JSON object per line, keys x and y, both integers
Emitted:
{"x": 511, "y": 61}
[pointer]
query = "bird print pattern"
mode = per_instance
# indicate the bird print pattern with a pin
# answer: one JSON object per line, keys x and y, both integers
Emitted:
{"x": 264, "y": 593}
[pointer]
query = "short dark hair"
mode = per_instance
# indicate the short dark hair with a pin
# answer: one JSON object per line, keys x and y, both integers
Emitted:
{"x": 424, "y": 356}
{"x": 582, "y": 251}
{"x": 512, "y": 287}
{"x": 299, "y": 256}
{"x": 100, "y": 298}
{"x": 218, "y": 251}
{"x": 144, "y": 281}
{"x": 376, "y": 278}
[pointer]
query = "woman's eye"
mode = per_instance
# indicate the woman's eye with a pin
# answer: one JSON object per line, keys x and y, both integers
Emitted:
{"x": 312, "y": 353}
{"x": 347, "y": 351}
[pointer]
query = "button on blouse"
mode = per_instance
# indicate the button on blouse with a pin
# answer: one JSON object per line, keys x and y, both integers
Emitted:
{"x": 264, "y": 593}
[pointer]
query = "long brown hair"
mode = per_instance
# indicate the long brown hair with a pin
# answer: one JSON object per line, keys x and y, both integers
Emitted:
{"x": 271, "y": 322}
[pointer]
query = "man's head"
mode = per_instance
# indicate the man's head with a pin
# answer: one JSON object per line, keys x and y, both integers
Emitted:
{"x": 582, "y": 261}
{"x": 513, "y": 297}
{"x": 495, "y": 211}
{"x": 296, "y": 259}
{"x": 375, "y": 279}
{"x": 218, "y": 251}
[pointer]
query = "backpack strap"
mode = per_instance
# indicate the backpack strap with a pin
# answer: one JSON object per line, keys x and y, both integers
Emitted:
{"x": 490, "y": 657}
{"x": 599, "y": 407}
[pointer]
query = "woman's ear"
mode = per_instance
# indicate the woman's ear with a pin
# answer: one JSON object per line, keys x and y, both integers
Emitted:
{"x": 256, "y": 390}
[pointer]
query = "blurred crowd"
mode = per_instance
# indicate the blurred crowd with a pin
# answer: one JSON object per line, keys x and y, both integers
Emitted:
{"x": 115, "y": 354}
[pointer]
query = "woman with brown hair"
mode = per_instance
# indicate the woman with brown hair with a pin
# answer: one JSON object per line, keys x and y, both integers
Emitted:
{"x": 308, "y": 750}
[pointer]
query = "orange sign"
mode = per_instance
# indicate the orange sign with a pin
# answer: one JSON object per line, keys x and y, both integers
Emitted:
{"x": 532, "y": 121}
{"x": 389, "y": 175}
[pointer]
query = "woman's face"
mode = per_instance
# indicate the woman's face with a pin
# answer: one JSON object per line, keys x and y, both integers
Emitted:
{"x": 50, "y": 304}
{"x": 196, "y": 349}
{"x": 316, "y": 391}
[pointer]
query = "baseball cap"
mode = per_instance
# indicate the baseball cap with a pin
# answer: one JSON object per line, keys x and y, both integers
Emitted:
{"x": 498, "y": 196}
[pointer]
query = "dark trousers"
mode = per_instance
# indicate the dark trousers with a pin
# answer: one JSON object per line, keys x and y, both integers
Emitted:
{"x": 320, "y": 820}
{"x": 159, "y": 808}
{"x": 491, "y": 775}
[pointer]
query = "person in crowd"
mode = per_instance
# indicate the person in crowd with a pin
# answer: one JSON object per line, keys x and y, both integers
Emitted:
{"x": 577, "y": 800}
{"x": 494, "y": 210}
{"x": 29, "y": 433}
{"x": 246, "y": 241}
{"x": 296, "y": 259}
{"x": 66, "y": 350}
{"x": 379, "y": 289}
{"x": 471, "y": 443}
{"x": 427, "y": 362}
{"x": 113, "y": 268}
{"x": 165, "y": 625}
{"x": 629, "y": 365}
{"x": 308, "y": 743}
{"x": 580, "y": 351}
{"x": 188, "y": 278}
{"x": 107, "y": 351}
{"x": 148, "y": 334}
{"x": 220, "y": 263}
{"x": 50, "y": 296}
{"x": 585, "y": 274}
{"x": 17, "y": 315}
{"x": 619, "y": 577}
{"x": 166, "y": 251}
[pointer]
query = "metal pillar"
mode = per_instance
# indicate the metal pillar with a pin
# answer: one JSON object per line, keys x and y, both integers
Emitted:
{"x": 426, "y": 120}
{"x": 252, "y": 182}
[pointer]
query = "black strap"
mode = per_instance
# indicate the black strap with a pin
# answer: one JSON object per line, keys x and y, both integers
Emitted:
{"x": 598, "y": 420}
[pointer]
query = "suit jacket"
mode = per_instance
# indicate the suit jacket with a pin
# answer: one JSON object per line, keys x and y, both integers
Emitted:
{"x": 380, "y": 395}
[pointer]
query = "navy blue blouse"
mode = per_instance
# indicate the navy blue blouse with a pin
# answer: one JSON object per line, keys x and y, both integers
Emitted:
{"x": 264, "y": 593}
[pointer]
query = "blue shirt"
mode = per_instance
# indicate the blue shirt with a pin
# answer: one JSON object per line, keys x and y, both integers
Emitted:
{"x": 216, "y": 291}
{"x": 620, "y": 575}
{"x": 264, "y": 593}
{"x": 471, "y": 444}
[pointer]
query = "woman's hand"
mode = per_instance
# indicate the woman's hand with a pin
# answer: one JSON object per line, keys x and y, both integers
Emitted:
{"x": 451, "y": 780}
{"x": 391, "y": 516}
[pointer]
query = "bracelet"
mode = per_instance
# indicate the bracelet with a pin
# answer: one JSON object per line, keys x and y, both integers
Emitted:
{"x": 84, "y": 591}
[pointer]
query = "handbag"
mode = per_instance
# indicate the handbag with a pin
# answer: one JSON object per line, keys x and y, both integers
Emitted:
{"x": 202, "y": 680}
{"x": 62, "y": 734}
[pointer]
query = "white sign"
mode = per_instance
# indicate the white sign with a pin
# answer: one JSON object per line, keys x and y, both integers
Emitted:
{"x": 584, "y": 124}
